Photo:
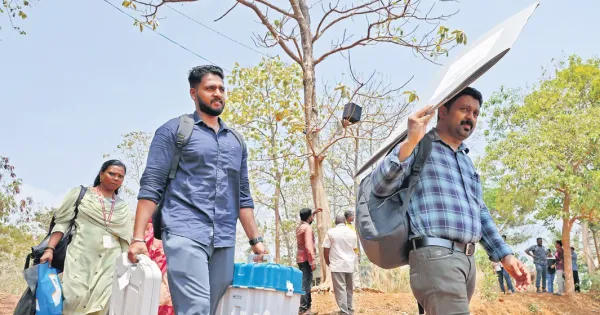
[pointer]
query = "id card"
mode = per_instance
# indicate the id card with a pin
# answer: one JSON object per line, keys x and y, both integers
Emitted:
{"x": 107, "y": 241}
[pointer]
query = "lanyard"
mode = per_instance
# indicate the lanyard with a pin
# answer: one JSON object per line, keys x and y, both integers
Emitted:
{"x": 112, "y": 207}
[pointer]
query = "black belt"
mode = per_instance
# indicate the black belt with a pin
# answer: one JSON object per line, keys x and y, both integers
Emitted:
{"x": 468, "y": 248}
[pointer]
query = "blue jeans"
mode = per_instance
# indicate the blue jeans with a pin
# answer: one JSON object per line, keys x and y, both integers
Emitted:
{"x": 540, "y": 274}
{"x": 550, "y": 277}
{"x": 503, "y": 275}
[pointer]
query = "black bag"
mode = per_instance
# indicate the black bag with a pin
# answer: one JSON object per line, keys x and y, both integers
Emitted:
{"x": 60, "y": 252}
{"x": 26, "y": 305}
{"x": 184, "y": 132}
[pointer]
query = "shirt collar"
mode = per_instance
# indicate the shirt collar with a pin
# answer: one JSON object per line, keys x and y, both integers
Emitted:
{"x": 198, "y": 121}
{"x": 341, "y": 224}
{"x": 435, "y": 137}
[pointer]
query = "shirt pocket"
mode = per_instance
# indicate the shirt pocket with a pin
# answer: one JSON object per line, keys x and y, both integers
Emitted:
{"x": 475, "y": 185}
{"x": 233, "y": 150}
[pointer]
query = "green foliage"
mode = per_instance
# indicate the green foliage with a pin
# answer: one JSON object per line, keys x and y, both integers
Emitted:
{"x": 488, "y": 286}
{"x": 11, "y": 201}
{"x": 534, "y": 308}
{"x": 15, "y": 11}
{"x": 595, "y": 286}
{"x": 510, "y": 222}
{"x": 265, "y": 105}
{"x": 543, "y": 144}
{"x": 133, "y": 151}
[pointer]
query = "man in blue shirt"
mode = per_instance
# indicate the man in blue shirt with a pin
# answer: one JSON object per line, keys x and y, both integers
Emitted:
{"x": 447, "y": 213}
{"x": 202, "y": 203}
{"x": 538, "y": 253}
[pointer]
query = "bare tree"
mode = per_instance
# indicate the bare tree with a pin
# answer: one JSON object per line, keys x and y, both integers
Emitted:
{"x": 406, "y": 23}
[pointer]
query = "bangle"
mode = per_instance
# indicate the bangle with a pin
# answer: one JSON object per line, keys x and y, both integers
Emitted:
{"x": 133, "y": 240}
{"x": 49, "y": 248}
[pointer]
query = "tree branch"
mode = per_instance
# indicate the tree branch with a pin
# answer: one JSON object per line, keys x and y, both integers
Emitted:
{"x": 271, "y": 29}
{"x": 345, "y": 15}
{"x": 230, "y": 9}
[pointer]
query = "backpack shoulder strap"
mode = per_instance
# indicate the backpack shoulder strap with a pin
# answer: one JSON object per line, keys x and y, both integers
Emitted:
{"x": 78, "y": 201}
{"x": 240, "y": 139}
{"x": 422, "y": 154}
{"x": 184, "y": 132}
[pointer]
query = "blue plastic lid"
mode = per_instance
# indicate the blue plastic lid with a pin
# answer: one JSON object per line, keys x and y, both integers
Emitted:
{"x": 267, "y": 276}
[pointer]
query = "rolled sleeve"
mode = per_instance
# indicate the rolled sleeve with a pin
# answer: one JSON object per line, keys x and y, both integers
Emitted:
{"x": 390, "y": 173}
{"x": 158, "y": 164}
{"x": 491, "y": 240}
{"x": 327, "y": 241}
{"x": 245, "y": 195}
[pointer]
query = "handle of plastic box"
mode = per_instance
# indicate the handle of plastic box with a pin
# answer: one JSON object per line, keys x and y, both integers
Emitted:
{"x": 143, "y": 258}
{"x": 268, "y": 258}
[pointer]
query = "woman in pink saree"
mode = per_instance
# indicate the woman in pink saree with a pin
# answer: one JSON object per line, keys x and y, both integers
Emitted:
{"x": 157, "y": 254}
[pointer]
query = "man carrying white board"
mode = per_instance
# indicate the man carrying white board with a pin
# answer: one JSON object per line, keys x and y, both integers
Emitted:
{"x": 202, "y": 198}
{"x": 447, "y": 213}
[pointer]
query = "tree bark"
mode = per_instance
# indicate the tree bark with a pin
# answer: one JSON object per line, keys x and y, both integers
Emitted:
{"x": 317, "y": 178}
{"x": 277, "y": 221}
{"x": 356, "y": 186}
{"x": 587, "y": 251}
{"x": 596, "y": 244}
{"x": 566, "y": 240}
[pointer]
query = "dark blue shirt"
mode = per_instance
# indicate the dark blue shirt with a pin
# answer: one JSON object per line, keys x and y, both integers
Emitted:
{"x": 210, "y": 187}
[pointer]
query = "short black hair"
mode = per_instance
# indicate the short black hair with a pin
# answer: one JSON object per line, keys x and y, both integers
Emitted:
{"x": 305, "y": 213}
{"x": 474, "y": 93}
{"x": 559, "y": 242}
{"x": 539, "y": 238}
{"x": 196, "y": 75}
{"x": 348, "y": 214}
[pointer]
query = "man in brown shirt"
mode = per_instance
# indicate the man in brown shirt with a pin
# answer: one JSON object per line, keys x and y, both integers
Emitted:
{"x": 305, "y": 238}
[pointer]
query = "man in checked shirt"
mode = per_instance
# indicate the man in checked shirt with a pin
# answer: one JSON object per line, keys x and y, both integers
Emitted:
{"x": 447, "y": 213}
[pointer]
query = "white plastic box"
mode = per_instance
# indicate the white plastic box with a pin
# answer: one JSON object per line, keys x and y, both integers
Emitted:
{"x": 136, "y": 287}
{"x": 262, "y": 289}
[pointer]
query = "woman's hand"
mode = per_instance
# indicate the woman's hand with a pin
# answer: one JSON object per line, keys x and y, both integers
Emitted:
{"x": 47, "y": 257}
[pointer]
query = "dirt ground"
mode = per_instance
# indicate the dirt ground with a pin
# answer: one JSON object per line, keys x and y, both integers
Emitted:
{"x": 371, "y": 303}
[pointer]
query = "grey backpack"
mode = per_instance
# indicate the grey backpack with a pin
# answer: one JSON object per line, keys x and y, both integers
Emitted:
{"x": 383, "y": 223}
{"x": 184, "y": 132}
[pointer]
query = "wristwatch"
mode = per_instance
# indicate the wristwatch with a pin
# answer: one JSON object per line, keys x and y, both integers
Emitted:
{"x": 255, "y": 241}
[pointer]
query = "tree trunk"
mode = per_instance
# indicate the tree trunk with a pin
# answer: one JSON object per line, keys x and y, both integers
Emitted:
{"x": 277, "y": 222}
{"x": 288, "y": 245}
{"x": 587, "y": 251}
{"x": 315, "y": 162}
{"x": 597, "y": 245}
{"x": 566, "y": 240}
{"x": 356, "y": 185}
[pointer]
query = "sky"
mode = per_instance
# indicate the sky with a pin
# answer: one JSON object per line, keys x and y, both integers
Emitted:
{"x": 83, "y": 75}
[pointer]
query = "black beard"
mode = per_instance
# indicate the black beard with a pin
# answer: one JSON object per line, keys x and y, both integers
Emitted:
{"x": 205, "y": 108}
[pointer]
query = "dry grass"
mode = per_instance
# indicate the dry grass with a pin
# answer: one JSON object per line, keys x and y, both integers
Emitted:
{"x": 11, "y": 274}
{"x": 390, "y": 281}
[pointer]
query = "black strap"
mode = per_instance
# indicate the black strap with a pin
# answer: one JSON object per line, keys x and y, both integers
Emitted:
{"x": 466, "y": 248}
{"x": 81, "y": 194}
{"x": 184, "y": 132}
{"x": 423, "y": 153}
